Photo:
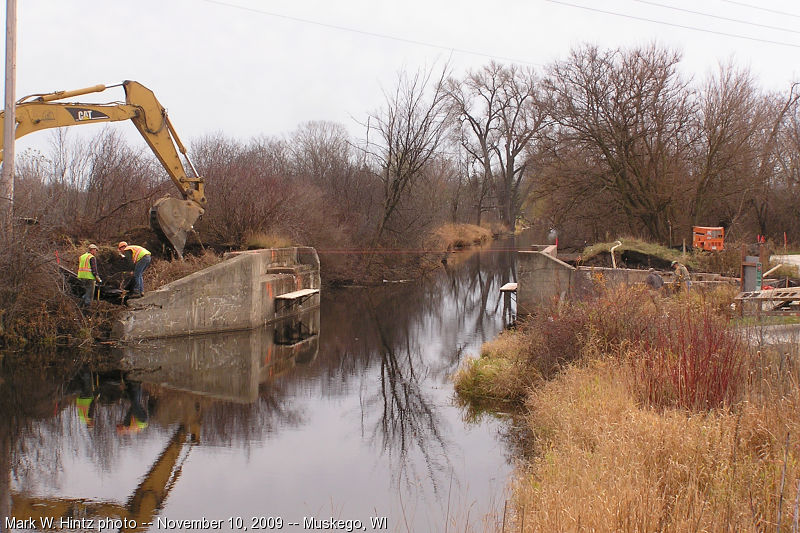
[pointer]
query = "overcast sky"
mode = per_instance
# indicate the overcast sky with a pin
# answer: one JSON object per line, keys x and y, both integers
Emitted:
{"x": 261, "y": 67}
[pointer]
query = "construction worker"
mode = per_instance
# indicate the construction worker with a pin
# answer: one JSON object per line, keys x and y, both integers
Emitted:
{"x": 140, "y": 257}
{"x": 87, "y": 274}
{"x": 136, "y": 419}
{"x": 86, "y": 400}
{"x": 654, "y": 281}
{"x": 681, "y": 275}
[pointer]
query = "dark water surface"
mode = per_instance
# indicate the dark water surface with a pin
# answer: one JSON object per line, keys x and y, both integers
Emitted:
{"x": 346, "y": 414}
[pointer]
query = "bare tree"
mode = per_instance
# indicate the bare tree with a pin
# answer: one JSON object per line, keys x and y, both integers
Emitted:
{"x": 323, "y": 155}
{"x": 246, "y": 184}
{"x": 322, "y": 152}
{"x": 501, "y": 114}
{"x": 786, "y": 185}
{"x": 731, "y": 113}
{"x": 628, "y": 113}
{"x": 92, "y": 189}
{"x": 121, "y": 184}
{"x": 409, "y": 130}
{"x": 765, "y": 175}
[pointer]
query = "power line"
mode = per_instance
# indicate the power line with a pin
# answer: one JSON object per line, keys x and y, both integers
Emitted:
{"x": 369, "y": 33}
{"x": 762, "y": 9}
{"x": 685, "y": 27}
{"x": 718, "y": 17}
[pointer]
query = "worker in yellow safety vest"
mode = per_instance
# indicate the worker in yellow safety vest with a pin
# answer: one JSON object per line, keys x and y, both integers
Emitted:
{"x": 140, "y": 257}
{"x": 87, "y": 274}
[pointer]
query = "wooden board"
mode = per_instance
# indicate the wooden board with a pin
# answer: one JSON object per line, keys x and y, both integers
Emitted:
{"x": 297, "y": 294}
{"x": 509, "y": 287}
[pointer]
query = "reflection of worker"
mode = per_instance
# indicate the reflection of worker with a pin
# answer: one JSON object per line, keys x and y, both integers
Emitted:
{"x": 136, "y": 419}
{"x": 141, "y": 260}
{"x": 87, "y": 273}
{"x": 86, "y": 400}
{"x": 682, "y": 277}
{"x": 654, "y": 281}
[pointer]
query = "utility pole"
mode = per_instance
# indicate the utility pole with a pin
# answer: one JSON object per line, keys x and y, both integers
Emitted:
{"x": 5, "y": 477}
{"x": 9, "y": 121}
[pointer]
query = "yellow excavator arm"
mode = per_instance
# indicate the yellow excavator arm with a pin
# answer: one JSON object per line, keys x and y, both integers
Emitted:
{"x": 142, "y": 506}
{"x": 170, "y": 218}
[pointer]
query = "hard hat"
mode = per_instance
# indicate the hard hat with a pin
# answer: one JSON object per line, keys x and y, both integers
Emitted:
{"x": 93, "y": 247}
{"x": 122, "y": 244}
{"x": 673, "y": 263}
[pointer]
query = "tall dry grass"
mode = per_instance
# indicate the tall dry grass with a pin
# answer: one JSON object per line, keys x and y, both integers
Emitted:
{"x": 162, "y": 272}
{"x": 659, "y": 417}
{"x": 608, "y": 462}
{"x": 457, "y": 236}
{"x": 261, "y": 239}
{"x": 681, "y": 348}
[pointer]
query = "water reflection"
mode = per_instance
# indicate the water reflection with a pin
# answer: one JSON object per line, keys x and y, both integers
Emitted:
{"x": 228, "y": 366}
{"x": 408, "y": 338}
{"x": 346, "y": 411}
{"x": 226, "y": 396}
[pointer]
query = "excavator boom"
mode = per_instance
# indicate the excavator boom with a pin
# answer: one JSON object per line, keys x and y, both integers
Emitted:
{"x": 170, "y": 218}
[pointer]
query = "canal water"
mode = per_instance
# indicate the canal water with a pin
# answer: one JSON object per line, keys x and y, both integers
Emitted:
{"x": 342, "y": 419}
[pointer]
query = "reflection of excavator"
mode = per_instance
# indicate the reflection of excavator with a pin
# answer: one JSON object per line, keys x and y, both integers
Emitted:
{"x": 136, "y": 514}
{"x": 170, "y": 218}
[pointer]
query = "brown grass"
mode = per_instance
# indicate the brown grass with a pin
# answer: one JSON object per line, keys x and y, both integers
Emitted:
{"x": 617, "y": 449}
{"x": 38, "y": 306}
{"x": 259, "y": 240}
{"x": 456, "y": 236}
{"x": 681, "y": 347}
{"x": 607, "y": 463}
{"x": 162, "y": 272}
{"x": 727, "y": 262}
{"x": 33, "y": 306}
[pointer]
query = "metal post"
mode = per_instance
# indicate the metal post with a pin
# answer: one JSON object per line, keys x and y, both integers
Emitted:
{"x": 9, "y": 121}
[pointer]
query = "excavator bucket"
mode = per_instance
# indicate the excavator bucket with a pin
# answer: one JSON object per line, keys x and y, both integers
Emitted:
{"x": 172, "y": 220}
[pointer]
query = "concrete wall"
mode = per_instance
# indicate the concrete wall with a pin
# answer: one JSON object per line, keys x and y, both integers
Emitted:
{"x": 237, "y": 294}
{"x": 586, "y": 279}
{"x": 542, "y": 277}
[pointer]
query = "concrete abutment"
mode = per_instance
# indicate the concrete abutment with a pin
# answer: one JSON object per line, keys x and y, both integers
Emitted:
{"x": 542, "y": 277}
{"x": 237, "y": 294}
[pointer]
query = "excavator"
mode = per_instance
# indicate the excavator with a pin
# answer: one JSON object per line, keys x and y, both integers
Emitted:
{"x": 171, "y": 219}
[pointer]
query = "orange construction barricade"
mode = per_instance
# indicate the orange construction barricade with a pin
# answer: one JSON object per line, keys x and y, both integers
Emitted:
{"x": 708, "y": 238}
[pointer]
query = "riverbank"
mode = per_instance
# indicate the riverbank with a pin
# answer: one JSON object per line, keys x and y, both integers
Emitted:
{"x": 647, "y": 414}
{"x": 375, "y": 266}
{"x": 40, "y": 307}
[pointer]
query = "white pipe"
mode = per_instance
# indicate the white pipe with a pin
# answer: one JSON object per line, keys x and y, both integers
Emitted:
{"x": 617, "y": 244}
{"x": 771, "y": 270}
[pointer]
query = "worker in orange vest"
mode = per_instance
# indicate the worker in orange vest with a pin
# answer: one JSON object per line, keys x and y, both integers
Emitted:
{"x": 137, "y": 417}
{"x": 140, "y": 257}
